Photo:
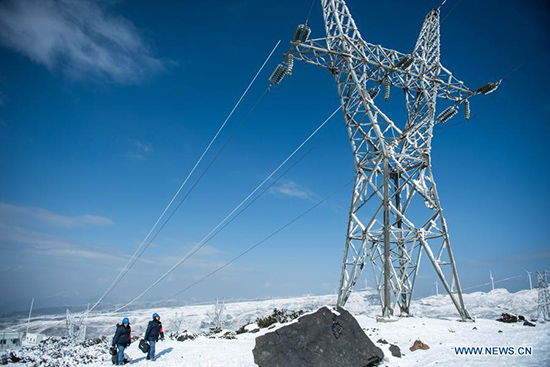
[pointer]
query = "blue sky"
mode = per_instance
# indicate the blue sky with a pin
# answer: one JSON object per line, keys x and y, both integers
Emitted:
{"x": 105, "y": 107}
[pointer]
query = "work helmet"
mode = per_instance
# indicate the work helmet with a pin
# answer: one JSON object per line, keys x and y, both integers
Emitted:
{"x": 126, "y": 320}
{"x": 155, "y": 315}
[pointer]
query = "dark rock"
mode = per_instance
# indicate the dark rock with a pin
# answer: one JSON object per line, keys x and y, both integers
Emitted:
{"x": 95, "y": 341}
{"x": 229, "y": 335}
{"x": 185, "y": 336}
{"x": 322, "y": 339}
{"x": 521, "y": 318}
{"x": 254, "y": 331}
{"x": 500, "y": 331}
{"x": 474, "y": 328}
{"x": 14, "y": 358}
{"x": 527, "y": 323}
{"x": 242, "y": 329}
{"x": 507, "y": 318}
{"x": 382, "y": 341}
{"x": 395, "y": 351}
{"x": 418, "y": 345}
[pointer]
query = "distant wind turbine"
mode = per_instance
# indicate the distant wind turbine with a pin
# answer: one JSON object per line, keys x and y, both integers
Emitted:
{"x": 529, "y": 275}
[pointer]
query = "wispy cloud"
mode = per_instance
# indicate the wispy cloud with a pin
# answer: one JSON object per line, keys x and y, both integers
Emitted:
{"x": 186, "y": 246}
{"x": 139, "y": 150}
{"x": 294, "y": 190}
{"x": 144, "y": 147}
{"x": 540, "y": 253}
{"x": 21, "y": 240}
{"x": 192, "y": 262}
{"x": 479, "y": 263}
{"x": 28, "y": 214}
{"x": 78, "y": 36}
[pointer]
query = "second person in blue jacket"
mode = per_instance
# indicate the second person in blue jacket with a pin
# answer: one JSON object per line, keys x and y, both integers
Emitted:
{"x": 152, "y": 334}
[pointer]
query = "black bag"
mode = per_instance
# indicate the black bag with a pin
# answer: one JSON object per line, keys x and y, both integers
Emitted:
{"x": 144, "y": 346}
{"x": 113, "y": 352}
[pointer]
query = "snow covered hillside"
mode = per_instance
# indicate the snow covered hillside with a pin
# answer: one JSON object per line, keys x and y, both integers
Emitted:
{"x": 434, "y": 323}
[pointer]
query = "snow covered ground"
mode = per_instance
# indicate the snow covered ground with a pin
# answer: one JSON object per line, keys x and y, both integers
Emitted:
{"x": 435, "y": 323}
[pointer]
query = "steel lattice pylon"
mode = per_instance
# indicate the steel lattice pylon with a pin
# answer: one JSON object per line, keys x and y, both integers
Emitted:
{"x": 543, "y": 305}
{"x": 395, "y": 210}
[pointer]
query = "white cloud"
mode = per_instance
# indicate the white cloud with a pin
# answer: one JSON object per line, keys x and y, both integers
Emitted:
{"x": 294, "y": 190}
{"x": 139, "y": 151}
{"x": 191, "y": 262}
{"x": 17, "y": 239}
{"x": 134, "y": 156}
{"x": 479, "y": 263}
{"x": 12, "y": 213}
{"x": 144, "y": 147}
{"x": 78, "y": 36}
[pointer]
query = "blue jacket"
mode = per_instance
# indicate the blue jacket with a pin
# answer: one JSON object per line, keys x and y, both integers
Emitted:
{"x": 122, "y": 336}
{"x": 154, "y": 330}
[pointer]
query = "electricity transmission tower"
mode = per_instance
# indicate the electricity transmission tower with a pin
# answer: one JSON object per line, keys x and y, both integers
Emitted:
{"x": 543, "y": 307}
{"x": 395, "y": 213}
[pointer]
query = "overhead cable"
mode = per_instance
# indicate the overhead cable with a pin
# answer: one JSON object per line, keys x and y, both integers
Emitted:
{"x": 203, "y": 241}
{"x": 143, "y": 246}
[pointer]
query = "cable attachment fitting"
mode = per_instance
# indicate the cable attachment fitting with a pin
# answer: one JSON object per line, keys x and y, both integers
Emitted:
{"x": 489, "y": 87}
{"x": 302, "y": 33}
{"x": 447, "y": 114}
{"x": 289, "y": 64}
{"x": 278, "y": 74}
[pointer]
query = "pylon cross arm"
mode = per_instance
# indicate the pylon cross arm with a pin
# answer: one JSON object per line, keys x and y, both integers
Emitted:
{"x": 380, "y": 66}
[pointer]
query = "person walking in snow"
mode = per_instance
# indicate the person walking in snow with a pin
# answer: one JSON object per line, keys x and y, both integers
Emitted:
{"x": 122, "y": 339}
{"x": 152, "y": 334}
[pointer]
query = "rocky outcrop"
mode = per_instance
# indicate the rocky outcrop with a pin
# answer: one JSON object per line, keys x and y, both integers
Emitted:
{"x": 326, "y": 338}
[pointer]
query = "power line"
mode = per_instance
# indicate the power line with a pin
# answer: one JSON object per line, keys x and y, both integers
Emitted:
{"x": 142, "y": 247}
{"x": 206, "y": 238}
{"x": 235, "y": 130}
{"x": 496, "y": 281}
{"x": 264, "y": 240}
{"x": 310, "y": 10}
{"x": 276, "y": 180}
{"x": 450, "y": 11}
